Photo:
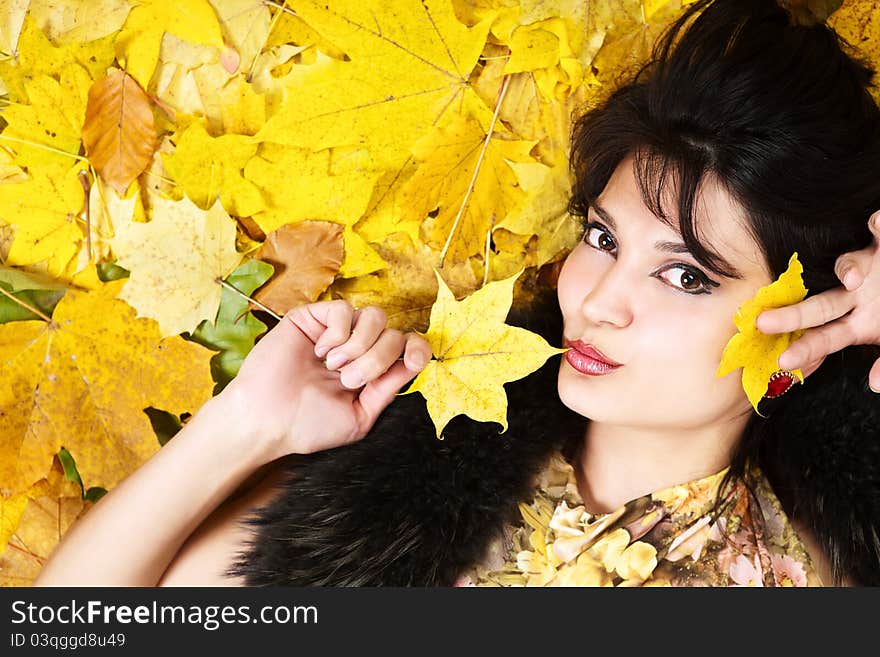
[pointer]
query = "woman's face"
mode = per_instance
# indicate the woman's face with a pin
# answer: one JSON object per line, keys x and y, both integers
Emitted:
{"x": 655, "y": 311}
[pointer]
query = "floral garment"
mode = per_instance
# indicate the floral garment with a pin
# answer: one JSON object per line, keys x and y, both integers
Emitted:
{"x": 667, "y": 538}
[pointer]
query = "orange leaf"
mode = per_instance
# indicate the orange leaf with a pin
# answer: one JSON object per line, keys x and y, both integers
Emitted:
{"x": 119, "y": 133}
{"x": 306, "y": 256}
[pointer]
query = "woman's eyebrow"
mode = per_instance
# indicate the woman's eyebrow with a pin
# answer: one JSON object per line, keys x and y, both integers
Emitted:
{"x": 667, "y": 247}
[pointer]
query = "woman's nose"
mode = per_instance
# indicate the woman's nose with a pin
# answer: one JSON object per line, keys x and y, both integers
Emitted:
{"x": 608, "y": 302}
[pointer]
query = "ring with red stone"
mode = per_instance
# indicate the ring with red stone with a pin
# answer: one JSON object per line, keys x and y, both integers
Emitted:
{"x": 780, "y": 383}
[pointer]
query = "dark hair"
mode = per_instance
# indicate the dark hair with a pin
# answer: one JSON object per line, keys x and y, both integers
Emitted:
{"x": 780, "y": 113}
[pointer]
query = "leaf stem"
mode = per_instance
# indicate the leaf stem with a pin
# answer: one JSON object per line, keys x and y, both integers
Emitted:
{"x": 86, "y": 185}
{"x": 488, "y": 244}
{"x": 282, "y": 7}
{"x": 232, "y": 288}
{"x": 473, "y": 182}
{"x": 43, "y": 146}
{"x": 25, "y": 305}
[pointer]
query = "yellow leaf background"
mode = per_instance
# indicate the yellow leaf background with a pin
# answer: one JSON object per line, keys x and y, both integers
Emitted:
{"x": 434, "y": 134}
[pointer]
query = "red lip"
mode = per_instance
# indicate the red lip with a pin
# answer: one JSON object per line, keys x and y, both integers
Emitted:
{"x": 591, "y": 352}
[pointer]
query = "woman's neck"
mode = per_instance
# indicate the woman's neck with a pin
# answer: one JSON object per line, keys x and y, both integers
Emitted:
{"x": 616, "y": 464}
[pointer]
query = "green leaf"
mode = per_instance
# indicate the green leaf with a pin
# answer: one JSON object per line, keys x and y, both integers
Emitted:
{"x": 43, "y": 300}
{"x": 165, "y": 424}
{"x": 69, "y": 465}
{"x": 94, "y": 494}
{"x": 37, "y": 291}
{"x": 110, "y": 271}
{"x": 15, "y": 280}
{"x": 235, "y": 329}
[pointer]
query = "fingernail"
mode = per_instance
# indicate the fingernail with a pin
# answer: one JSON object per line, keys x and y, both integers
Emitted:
{"x": 873, "y": 389}
{"x": 419, "y": 360}
{"x": 849, "y": 278}
{"x": 336, "y": 360}
{"x": 351, "y": 377}
{"x": 320, "y": 350}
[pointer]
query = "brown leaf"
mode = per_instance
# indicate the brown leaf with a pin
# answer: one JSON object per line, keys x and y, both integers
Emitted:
{"x": 306, "y": 256}
{"x": 252, "y": 229}
{"x": 119, "y": 133}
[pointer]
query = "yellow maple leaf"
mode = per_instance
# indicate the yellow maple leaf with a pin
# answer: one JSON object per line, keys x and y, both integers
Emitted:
{"x": 407, "y": 287}
{"x": 545, "y": 210}
{"x": 76, "y": 21}
{"x": 11, "y": 509}
{"x": 476, "y": 352}
{"x": 14, "y": 14}
{"x": 300, "y": 185}
{"x": 44, "y": 211}
{"x": 175, "y": 260}
{"x": 139, "y": 41}
{"x": 82, "y": 382}
{"x": 756, "y": 352}
{"x": 241, "y": 109}
{"x": 49, "y": 508}
{"x": 206, "y": 166}
{"x": 245, "y": 25}
{"x": 38, "y": 56}
{"x": 448, "y": 158}
{"x": 106, "y": 210}
{"x": 410, "y": 64}
{"x": 858, "y": 23}
{"x": 289, "y": 28}
{"x": 53, "y": 118}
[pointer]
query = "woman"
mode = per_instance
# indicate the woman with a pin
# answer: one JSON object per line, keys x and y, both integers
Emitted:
{"x": 749, "y": 140}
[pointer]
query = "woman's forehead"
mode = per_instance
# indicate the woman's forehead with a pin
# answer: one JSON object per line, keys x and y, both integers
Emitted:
{"x": 720, "y": 222}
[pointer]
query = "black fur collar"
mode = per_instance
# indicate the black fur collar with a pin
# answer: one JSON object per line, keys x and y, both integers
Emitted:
{"x": 401, "y": 508}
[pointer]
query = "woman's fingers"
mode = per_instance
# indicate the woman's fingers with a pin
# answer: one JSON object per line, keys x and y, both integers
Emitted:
{"x": 377, "y": 394}
{"x": 417, "y": 352}
{"x": 852, "y": 268}
{"x": 325, "y": 323}
{"x": 374, "y": 362}
{"x": 817, "y": 343}
{"x": 368, "y": 326}
{"x": 383, "y": 355}
{"x": 813, "y": 311}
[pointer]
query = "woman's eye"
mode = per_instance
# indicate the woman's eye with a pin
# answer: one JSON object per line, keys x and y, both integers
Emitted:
{"x": 599, "y": 238}
{"x": 685, "y": 279}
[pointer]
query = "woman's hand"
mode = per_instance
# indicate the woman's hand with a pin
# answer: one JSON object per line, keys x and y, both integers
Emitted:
{"x": 841, "y": 316}
{"x": 300, "y": 404}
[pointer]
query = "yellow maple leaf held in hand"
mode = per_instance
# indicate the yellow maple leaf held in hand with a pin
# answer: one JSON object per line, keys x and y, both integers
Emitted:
{"x": 476, "y": 352}
{"x": 757, "y": 353}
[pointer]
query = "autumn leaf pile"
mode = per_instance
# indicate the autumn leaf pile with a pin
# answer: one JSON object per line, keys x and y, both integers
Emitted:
{"x": 393, "y": 152}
